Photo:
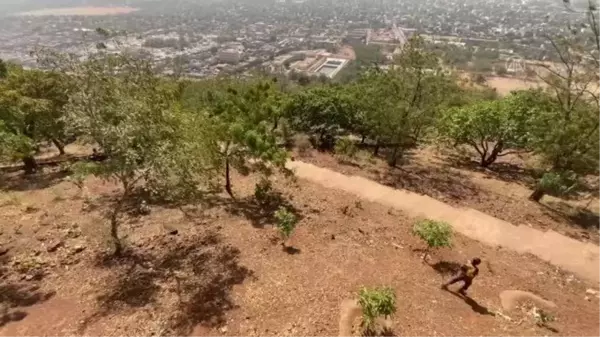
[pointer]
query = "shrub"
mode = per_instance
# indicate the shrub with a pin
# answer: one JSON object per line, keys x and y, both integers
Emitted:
{"x": 557, "y": 183}
{"x": 345, "y": 147}
{"x": 436, "y": 234}
{"x": 303, "y": 145}
{"x": 286, "y": 222}
{"x": 375, "y": 303}
{"x": 554, "y": 183}
{"x": 263, "y": 192}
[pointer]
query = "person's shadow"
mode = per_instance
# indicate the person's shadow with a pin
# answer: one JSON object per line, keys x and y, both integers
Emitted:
{"x": 472, "y": 303}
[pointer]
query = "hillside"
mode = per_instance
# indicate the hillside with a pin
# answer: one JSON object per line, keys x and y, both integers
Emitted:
{"x": 218, "y": 268}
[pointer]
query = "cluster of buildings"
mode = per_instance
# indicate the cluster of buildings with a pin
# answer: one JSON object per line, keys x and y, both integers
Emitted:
{"x": 310, "y": 62}
{"x": 208, "y": 39}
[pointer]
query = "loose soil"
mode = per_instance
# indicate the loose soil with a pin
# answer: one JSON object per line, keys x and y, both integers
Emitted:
{"x": 218, "y": 268}
{"x": 500, "y": 191}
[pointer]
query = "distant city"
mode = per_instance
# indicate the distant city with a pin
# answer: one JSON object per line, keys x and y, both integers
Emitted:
{"x": 314, "y": 37}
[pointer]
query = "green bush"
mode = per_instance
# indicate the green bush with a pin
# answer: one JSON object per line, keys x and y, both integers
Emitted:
{"x": 263, "y": 192}
{"x": 436, "y": 234}
{"x": 375, "y": 303}
{"x": 286, "y": 222}
{"x": 558, "y": 184}
{"x": 345, "y": 147}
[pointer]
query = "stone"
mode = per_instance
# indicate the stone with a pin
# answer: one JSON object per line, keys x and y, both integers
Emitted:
{"x": 78, "y": 248}
{"x": 591, "y": 292}
{"x": 54, "y": 245}
{"x": 171, "y": 230}
{"x": 3, "y": 250}
{"x": 223, "y": 329}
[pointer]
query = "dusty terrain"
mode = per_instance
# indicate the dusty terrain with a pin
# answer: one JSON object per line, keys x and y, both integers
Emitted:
{"x": 500, "y": 191}
{"x": 218, "y": 268}
{"x": 84, "y": 11}
{"x": 504, "y": 85}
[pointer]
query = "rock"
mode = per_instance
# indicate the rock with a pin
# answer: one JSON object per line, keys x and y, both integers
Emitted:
{"x": 28, "y": 277}
{"x": 72, "y": 233}
{"x": 332, "y": 237}
{"x": 54, "y": 245}
{"x": 591, "y": 292}
{"x": 78, "y": 249}
{"x": 587, "y": 298}
{"x": 223, "y": 329}
{"x": 171, "y": 230}
{"x": 3, "y": 250}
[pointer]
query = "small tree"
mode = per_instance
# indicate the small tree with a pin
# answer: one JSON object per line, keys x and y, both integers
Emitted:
{"x": 492, "y": 127}
{"x": 436, "y": 234}
{"x": 244, "y": 118}
{"x": 554, "y": 183}
{"x": 131, "y": 114}
{"x": 321, "y": 111}
{"x": 286, "y": 223}
{"x": 345, "y": 148}
{"x": 32, "y": 106}
{"x": 376, "y": 302}
{"x": 263, "y": 191}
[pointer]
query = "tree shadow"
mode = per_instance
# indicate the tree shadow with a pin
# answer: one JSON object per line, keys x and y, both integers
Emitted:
{"x": 40, "y": 180}
{"x": 203, "y": 268}
{"x": 436, "y": 182}
{"x": 261, "y": 214}
{"x": 15, "y": 297}
{"x": 476, "y": 307}
{"x": 507, "y": 172}
{"x": 577, "y": 216}
{"x": 383, "y": 332}
{"x": 445, "y": 268}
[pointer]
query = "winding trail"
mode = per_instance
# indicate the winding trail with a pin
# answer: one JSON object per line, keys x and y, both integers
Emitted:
{"x": 580, "y": 258}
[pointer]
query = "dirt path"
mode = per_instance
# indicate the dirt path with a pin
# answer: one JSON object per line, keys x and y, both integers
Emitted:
{"x": 577, "y": 257}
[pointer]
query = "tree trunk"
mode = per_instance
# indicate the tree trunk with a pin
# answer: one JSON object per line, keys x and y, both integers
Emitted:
{"x": 114, "y": 224}
{"x": 362, "y": 140}
{"x": 30, "y": 166}
{"x": 393, "y": 159}
{"x": 376, "y": 149}
{"x": 485, "y": 162}
{"x": 59, "y": 145}
{"x": 228, "y": 178}
{"x": 537, "y": 195}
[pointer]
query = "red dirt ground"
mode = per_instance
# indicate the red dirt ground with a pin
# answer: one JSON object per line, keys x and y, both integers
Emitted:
{"x": 225, "y": 273}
